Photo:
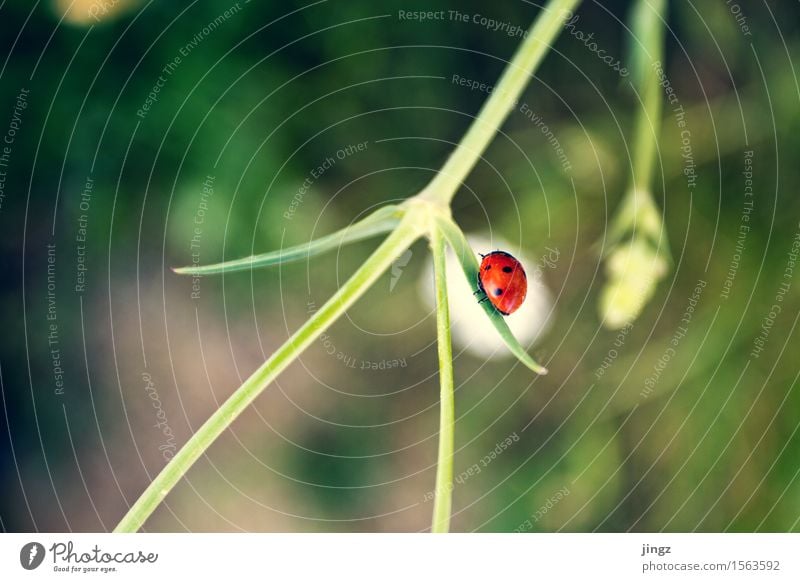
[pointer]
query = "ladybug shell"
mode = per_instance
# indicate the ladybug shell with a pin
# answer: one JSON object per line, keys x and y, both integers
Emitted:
{"x": 503, "y": 280}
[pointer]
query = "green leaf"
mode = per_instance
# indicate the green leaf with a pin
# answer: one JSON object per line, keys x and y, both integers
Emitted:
{"x": 469, "y": 264}
{"x": 381, "y": 221}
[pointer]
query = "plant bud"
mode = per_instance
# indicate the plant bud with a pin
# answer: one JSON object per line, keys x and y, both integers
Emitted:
{"x": 633, "y": 270}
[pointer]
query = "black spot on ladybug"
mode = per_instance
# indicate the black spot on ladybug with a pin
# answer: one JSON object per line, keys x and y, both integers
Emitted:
{"x": 507, "y": 269}
{"x": 498, "y": 292}
{"x": 487, "y": 267}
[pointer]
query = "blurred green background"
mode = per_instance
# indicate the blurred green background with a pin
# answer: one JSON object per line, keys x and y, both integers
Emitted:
{"x": 261, "y": 96}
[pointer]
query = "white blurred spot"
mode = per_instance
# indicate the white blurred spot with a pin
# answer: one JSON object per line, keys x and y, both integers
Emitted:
{"x": 471, "y": 329}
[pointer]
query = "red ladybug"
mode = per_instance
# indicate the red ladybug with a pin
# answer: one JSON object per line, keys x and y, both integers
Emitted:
{"x": 503, "y": 281}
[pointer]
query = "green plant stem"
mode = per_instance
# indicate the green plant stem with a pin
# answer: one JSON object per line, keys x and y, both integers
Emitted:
{"x": 649, "y": 31}
{"x": 408, "y": 230}
{"x": 502, "y": 100}
{"x": 421, "y": 217}
{"x": 443, "y": 492}
{"x": 639, "y": 209}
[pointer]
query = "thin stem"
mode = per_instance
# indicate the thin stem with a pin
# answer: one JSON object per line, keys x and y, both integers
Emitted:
{"x": 648, "y": 123}
{"x": 394, "y": 245}
{"x": 503, "y": 98}
{"x": 419, "y": 216}
{"x": 443, "y": 492}
{"x": 639, "y": 210}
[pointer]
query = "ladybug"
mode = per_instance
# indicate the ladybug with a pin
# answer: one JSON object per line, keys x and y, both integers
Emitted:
{"x": 503, "y": 281}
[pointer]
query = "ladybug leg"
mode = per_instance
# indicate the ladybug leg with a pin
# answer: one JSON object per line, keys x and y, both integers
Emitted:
{"x": 485, "y": 298}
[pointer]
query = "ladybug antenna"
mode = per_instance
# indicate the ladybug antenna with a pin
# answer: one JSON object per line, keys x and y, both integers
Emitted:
{"x": 482, "y": 255}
